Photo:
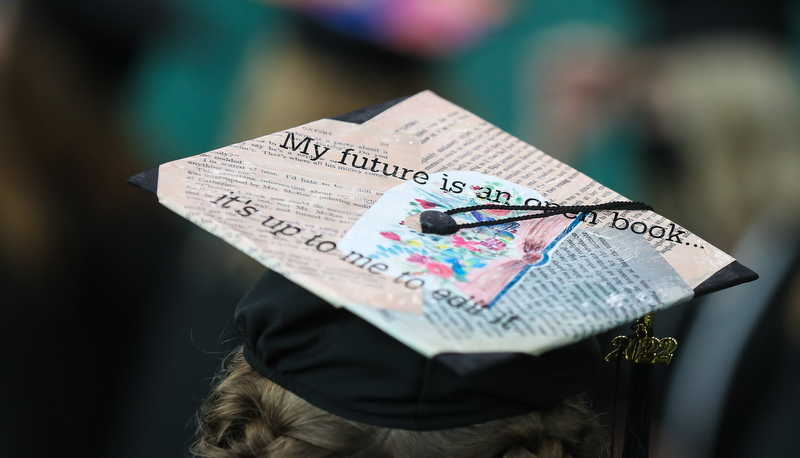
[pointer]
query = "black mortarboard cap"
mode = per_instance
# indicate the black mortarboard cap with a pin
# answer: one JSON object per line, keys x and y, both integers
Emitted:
{"x": 527, "y": 296}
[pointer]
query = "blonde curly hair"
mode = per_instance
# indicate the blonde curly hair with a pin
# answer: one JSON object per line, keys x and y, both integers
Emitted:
{"x": 248, "y": 416}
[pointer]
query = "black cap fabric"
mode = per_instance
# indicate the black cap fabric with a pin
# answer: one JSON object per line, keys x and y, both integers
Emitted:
{"x": 342, "y": 364}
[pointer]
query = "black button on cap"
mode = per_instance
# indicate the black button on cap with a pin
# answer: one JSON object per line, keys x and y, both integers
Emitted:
{"x": 436, "y": 222}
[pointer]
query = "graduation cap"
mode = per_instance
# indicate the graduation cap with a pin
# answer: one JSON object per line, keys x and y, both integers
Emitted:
{"x": 429, "y": 270}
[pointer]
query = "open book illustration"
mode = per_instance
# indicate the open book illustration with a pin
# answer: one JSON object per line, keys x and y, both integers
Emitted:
{"x": 326, "y": 204}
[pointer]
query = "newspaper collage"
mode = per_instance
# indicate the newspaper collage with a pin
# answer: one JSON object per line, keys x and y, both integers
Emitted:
{"x": 325, "y": 205}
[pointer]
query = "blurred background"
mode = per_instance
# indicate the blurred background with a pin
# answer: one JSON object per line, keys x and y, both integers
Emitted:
{"x": 115, "y": 313}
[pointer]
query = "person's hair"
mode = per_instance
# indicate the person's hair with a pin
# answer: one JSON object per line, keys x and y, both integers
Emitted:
{"x": 247, "y": 415}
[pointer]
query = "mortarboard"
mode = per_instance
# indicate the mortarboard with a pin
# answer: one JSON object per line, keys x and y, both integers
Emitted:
{"x": 467, "y": 270}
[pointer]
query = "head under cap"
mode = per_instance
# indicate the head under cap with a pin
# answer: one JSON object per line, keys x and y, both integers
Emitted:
{"x": 344, "y": 365}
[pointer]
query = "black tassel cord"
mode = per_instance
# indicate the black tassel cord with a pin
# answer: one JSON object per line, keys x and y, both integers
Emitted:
{"x": 442, "y": 223}
{"x": 545, "y": 211}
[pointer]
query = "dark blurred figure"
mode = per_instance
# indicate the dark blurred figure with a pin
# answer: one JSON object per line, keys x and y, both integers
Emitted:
{"x": 724, "y": 110}
{"x": 712, "y": 90}
{"x": 80, "y": 251}
{"x": 110, "y": 303}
